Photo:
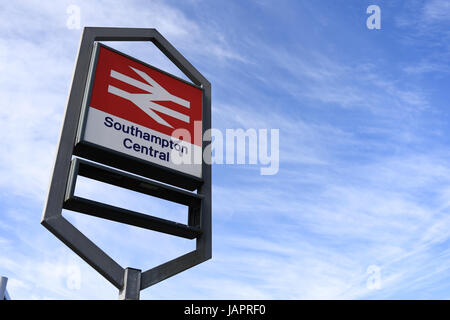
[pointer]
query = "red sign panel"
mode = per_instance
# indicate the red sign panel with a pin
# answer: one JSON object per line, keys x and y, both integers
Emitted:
{"x": 144, "y": 95}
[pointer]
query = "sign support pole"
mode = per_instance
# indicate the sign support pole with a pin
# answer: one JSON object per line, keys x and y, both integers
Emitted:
{"x": 3, "y": 292}
{"x": 131, "y": 285}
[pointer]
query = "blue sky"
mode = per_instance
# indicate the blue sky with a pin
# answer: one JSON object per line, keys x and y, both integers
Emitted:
{"x": 364, "y": 175}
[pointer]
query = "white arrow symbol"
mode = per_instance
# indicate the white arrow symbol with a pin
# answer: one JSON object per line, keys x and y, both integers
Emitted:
{"x": 145, "y": 100}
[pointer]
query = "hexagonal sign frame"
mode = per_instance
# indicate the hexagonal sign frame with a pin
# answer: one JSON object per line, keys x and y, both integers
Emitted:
{"x": 129, "y": 281}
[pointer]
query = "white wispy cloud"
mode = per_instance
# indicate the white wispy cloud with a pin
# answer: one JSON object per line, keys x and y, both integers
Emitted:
{"x": 437, "y": 10}
{"x": 370, "y": 189}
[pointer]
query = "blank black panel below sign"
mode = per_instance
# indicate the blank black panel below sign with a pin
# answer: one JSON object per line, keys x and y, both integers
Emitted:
{"x": 134, "y": 183}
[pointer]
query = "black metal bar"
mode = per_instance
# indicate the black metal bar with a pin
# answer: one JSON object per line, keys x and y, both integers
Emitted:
{"x": 131, "y": 285}
{"x": 106, "y": 211}
{"x": 121, "y": 179}
{"x": 131, "y": 182}
{"x": 86, "y": 249}
{"x": 194, "y": 216}
{"x": 58, "y": 183}
{"x": 204, "y": 242}
{"x": 169, "y": 269}
{"x": 137, "y": 166}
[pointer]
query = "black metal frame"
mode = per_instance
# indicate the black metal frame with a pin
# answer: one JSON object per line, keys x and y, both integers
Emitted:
{"x": 111, "y": 176}
{"x": 128, "y": 280}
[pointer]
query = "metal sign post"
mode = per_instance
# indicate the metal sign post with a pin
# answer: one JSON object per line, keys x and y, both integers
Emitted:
{"x": 3, "y": 292}
{"x": 103, "y": 79}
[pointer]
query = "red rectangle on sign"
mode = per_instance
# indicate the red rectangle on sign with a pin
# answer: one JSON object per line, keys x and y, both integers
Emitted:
{"x": 141, "y": 94}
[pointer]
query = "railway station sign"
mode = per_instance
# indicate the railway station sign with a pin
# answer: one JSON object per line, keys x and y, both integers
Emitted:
{"x": 133, "y": 109}
{"x": 125, "y": 124}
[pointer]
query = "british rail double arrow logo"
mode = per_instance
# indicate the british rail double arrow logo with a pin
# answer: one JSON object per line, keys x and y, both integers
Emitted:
{"x": 147, "y": 101}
